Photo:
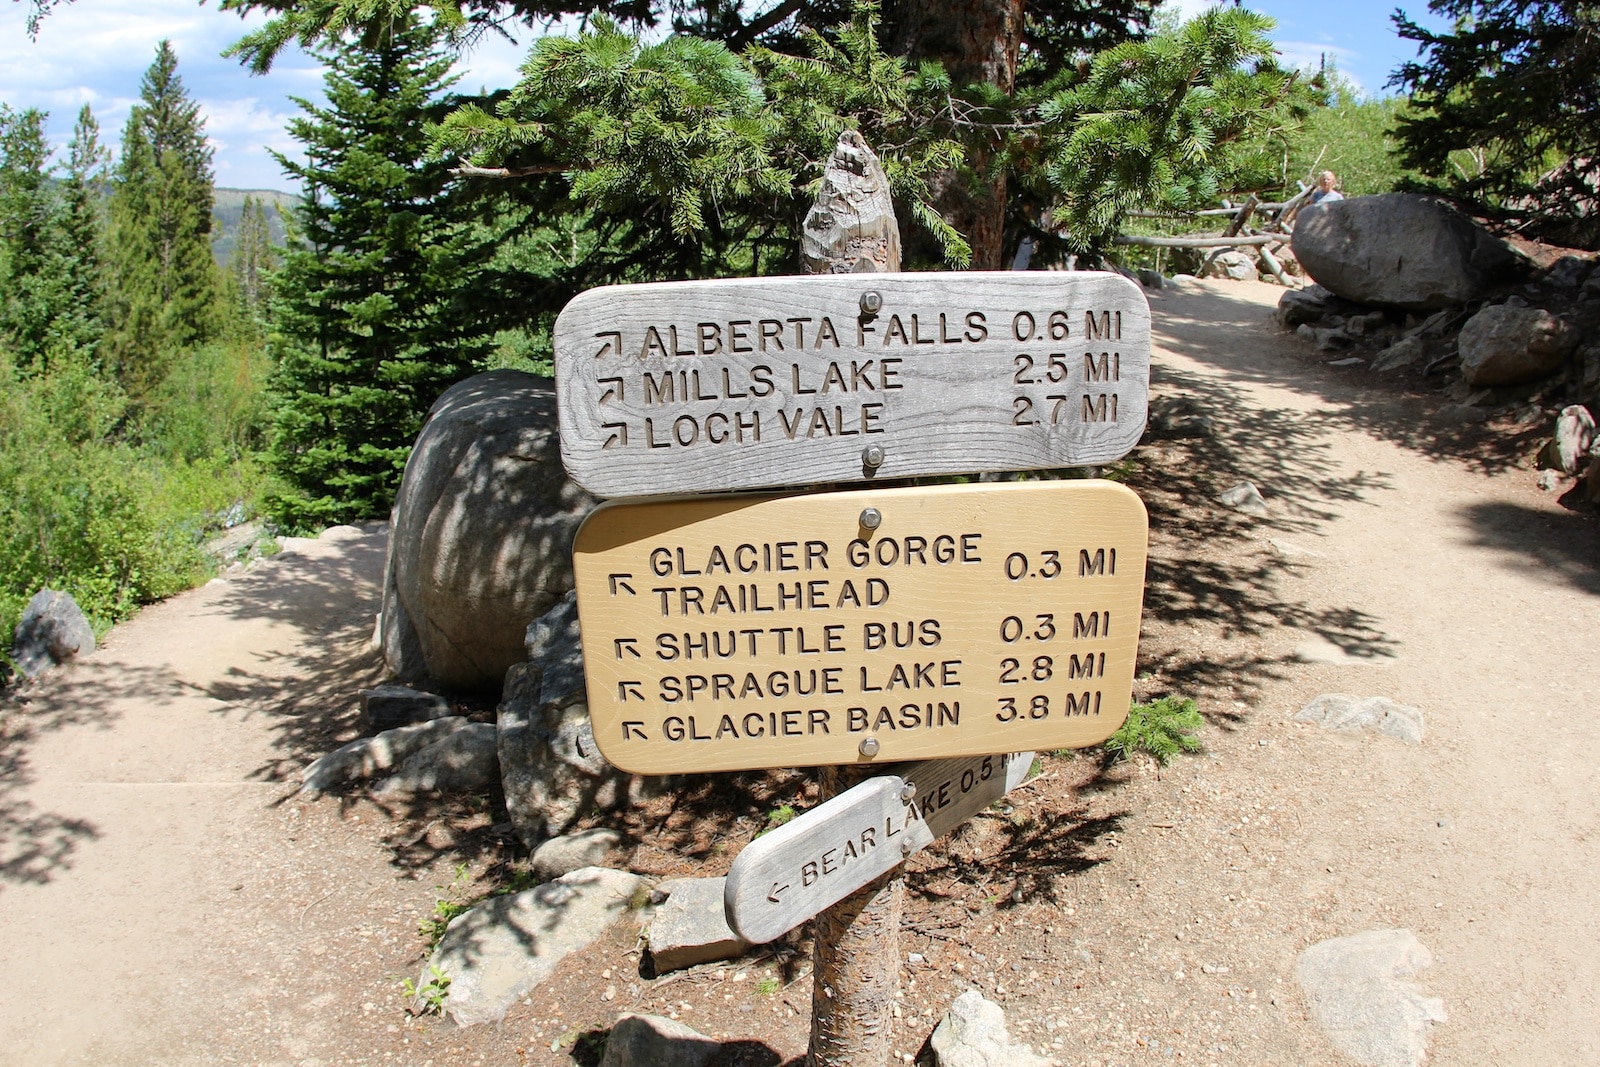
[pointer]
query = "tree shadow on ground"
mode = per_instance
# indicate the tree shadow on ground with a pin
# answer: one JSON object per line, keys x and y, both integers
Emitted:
{"x": 1401, "y": 407}
{"x": 1559, "y": 548}
{"x": 1213, "y": 587}
{"x": 37, "y": 845}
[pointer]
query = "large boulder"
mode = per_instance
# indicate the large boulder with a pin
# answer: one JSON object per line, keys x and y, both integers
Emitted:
{"x": 481, "y": 539}
{"x": 52, "y": 630}
{"x": 1506, "y": 345}
{"x": 1400, "y": 250}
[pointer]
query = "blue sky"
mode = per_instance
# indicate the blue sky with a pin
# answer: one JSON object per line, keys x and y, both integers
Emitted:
{"x": 95, "y": 51}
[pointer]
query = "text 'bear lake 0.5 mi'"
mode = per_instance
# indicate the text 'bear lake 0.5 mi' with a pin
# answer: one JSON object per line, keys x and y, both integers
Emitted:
{"x": 767, "y": 382}
{"x": 869, "y": 626}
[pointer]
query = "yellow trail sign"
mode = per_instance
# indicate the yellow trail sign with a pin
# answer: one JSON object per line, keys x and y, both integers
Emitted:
{"x": 872, "y": 626}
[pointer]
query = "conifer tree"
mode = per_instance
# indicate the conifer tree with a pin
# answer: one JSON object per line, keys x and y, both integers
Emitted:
{"x": 29, "y": 272}
{"x": 374, "y": 309}
{"x": 248, "y": 285}
{"x": 82, "y": 227}
{"x": 1512, "y": 88}
{"x": 163, "y": 281}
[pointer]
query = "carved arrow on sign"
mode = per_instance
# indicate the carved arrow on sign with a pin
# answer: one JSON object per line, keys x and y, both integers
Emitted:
{"x": 839, "y": 846}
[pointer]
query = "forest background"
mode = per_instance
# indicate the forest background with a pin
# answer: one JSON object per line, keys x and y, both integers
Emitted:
{"x": 176, "y": 361}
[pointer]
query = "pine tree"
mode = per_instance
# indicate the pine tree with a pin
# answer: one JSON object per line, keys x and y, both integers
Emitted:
{"x": 163, "y": 281}
{"x": 28, "y": 219}
{"x": 83, "y": 191}
{"x": 374, "y": 310}
{"x": 248, "y": 284}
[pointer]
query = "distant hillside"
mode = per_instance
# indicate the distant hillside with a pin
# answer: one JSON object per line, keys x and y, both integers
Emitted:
{"x": 230, "y": 207}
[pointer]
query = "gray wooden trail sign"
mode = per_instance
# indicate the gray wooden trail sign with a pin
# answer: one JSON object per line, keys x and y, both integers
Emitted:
{"x": 764, "y": 382}
{"x": 785, "y": 877}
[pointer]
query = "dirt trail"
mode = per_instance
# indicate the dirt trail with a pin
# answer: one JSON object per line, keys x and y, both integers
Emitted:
{"x": 169, "y": 902}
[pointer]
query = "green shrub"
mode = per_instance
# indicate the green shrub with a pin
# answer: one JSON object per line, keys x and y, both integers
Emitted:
{"x": 1162, "y": 728}
{"x": 211, "y": 404}
{"x": 85, "y": 511}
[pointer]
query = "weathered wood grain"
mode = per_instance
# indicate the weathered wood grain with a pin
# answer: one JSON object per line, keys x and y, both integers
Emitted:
{"x": 748, "y": 383}
{"x": 783, "y": 878}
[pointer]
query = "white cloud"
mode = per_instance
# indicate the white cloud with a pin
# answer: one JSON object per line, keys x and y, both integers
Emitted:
{"x": 1310, "y": 54}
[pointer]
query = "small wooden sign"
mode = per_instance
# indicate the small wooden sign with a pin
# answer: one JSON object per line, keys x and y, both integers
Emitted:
{"x": 763, "y": 382}
{"x": 783, "y": 878}
{"x": 870, "y": 626}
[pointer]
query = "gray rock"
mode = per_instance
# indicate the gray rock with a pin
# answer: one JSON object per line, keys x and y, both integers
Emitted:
{"x": 1588, "y": 358}
{"x": 389, "y": 707}
{"x": 52, "y": 630}
{"x": 1366, "y": 325}
{"x": 1459, "y": 414}
{"x": 1399, "y": 250}
{"x": 563, "y": 855}
{"x": 1297, "y": 307}
{"x": 1432, "y": 326}
{"x": 370, "y": 756}
{"x": 498, "y": 950}
{"x": 1550, "y": 481}
{"x": 464, "y": 762}
{"x": 1403, "y": 353}
{"x": 1505, "y": 345}
{"x": 692, "y": 927}
{"x": 1244, "y": 497}
{"x": 651, "y": 1041}
{"x": 481, "y": 541}
{"x": 1568, "y": 274}
{"x": 1356, "y": 989}
{"x": 973, "y": 1034}
{"x": 1331, "y": 340}
{"x": 1343, "y": 712}
{"x": 550, "y": 766}
{"x": 1575, "y": 432}
{"x": 1233, "y": 264}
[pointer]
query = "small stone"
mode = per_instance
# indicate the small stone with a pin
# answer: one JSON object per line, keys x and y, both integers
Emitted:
{"x": 1574, "y": 439}
{"x": 1357, "y": 994}
{"x": 1348, "y": 361}
{"x": 692, "y": 926}
{"x": 1346, "y": 713}
{"x": 391, "y": 706}
{"x": 651, "y": 1041}
{"x": 1244, "y": 497}
{"x": 1550, "y": 481}
{"x": 916, "y": 958}
{"x": 1403, "y": 353}
{"x": 562, "y": 855}
{"x": 973, "y": 1034}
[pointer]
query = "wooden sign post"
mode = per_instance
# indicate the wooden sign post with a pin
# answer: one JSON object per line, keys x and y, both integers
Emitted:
{"x": 854, "y": 630}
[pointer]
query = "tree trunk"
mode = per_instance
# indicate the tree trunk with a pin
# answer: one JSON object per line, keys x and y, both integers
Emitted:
{"x": 856, "y": 962}
{"x": 856, "y": 957}
{"x": 978, "y": 41}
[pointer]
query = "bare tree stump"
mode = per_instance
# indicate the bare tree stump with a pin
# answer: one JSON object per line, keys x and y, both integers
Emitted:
{"x": 856, "y": 957}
